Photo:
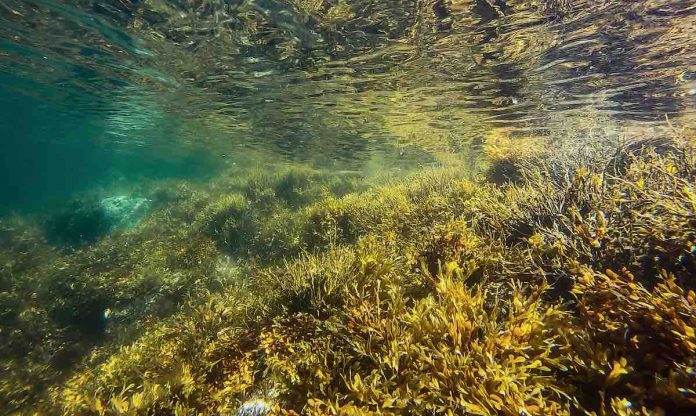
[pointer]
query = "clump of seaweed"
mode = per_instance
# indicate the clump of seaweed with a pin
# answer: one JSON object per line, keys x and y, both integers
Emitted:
{"x": 507, "y": 155}
{"x": 642, "y": 219}
{"x": 261, "y": 219}
{"x": 82, "y": 222}
{"x": 637, "y": 344}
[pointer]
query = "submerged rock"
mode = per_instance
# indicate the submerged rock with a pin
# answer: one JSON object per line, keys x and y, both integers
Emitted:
{"x": 124, "y": 212}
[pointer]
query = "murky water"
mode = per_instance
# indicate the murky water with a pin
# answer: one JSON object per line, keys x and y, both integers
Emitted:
{"x": 121, "y": 102}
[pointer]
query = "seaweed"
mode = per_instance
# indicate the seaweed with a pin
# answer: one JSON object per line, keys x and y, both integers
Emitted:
{"x": 568, "y": 290}
{"x": 81, "y": 223}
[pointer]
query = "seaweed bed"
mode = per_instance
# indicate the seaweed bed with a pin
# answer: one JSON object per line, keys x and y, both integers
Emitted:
{"x": 564, "y": 287}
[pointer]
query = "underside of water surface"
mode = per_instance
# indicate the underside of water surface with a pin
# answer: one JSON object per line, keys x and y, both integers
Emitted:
{"x": 347, "y": 207}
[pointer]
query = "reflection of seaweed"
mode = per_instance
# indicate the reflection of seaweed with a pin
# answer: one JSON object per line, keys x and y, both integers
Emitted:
{"x": 437, "y": 295}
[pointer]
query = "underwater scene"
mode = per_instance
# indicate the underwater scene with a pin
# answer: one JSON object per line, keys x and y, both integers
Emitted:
{"x": 347, "y": 207}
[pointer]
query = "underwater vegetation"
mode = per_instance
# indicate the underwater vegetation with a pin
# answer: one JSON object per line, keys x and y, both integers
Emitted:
{"x": 565, "y": 286}
{"x": 96, "y": 272}
{"x": 84, "y": 221}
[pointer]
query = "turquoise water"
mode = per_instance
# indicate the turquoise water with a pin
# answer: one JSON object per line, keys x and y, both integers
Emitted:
{"x": 49, "y": 155}
{"x": 164, "y": 142}
{"x": 100, "y": 92}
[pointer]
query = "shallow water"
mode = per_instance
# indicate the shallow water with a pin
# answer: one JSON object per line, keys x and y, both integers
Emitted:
{"x": 126, "y": 100}
{"x": 96, "y": 90}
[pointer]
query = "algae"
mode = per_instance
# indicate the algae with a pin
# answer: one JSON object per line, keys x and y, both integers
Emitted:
{"x": 568, "y": 290}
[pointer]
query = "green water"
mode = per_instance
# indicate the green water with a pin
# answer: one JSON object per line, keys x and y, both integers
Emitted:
{"x": 49, "y": 156}
{"x": 155, "y": 153}
{"x": 97, "y": 92}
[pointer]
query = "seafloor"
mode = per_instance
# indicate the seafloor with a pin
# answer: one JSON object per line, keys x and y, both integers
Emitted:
{"x": 553, "y": 283}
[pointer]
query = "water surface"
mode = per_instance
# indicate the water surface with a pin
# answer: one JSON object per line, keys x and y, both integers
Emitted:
{"x": 96, "y": 83}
